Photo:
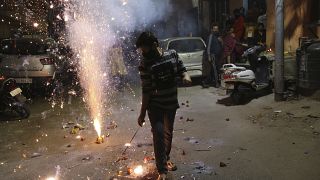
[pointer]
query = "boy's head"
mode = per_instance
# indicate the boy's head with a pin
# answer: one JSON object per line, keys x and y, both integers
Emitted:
{"x": 148, "y": 43}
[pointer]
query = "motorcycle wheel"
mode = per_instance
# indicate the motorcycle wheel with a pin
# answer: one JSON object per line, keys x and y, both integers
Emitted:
{"x": 237, "y": 97}
{"x": 22, "y": 110}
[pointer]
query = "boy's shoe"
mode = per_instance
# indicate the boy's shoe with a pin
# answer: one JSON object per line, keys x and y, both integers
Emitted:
{"x": 162, "y": 177}
{"x": 167, "y": 176}
{"x": 171, "y": 166}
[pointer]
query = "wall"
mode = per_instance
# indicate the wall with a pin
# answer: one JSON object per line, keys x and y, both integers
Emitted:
{"x": 235, "y": 4}
{"x": 212, "y": 11}
{"x": 297, "y": 14}
{"x": 182, "y": 21}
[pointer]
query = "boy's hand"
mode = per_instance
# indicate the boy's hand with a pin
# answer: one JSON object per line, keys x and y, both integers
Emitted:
{"x": 186, "y": 79}
{"x": 141, "y": 119}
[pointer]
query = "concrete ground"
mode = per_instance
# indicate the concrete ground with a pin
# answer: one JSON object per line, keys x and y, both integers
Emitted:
{"x": 259, "y": 140}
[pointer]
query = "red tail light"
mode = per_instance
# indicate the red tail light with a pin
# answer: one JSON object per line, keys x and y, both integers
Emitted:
{"x": 46, "y": 61}
{"x": 226, "y": 76}
{"x": 229, "y": 76}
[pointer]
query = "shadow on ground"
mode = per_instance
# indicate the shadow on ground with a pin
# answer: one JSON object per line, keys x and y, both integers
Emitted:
{"x": 227, "y": 101}
{"x": 8, "y": 116}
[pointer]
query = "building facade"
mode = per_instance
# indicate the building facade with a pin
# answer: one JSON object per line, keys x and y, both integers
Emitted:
{"x": 300, "y": 20}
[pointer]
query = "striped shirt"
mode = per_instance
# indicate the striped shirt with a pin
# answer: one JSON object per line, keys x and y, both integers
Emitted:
{"x": 164, "y": 97}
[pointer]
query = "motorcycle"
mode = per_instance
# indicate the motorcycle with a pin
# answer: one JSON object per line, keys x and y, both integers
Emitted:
{"x": 11, "y": 98}
{"x": 244, "y": 83}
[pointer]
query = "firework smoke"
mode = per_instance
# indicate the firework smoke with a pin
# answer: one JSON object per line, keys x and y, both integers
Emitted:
{"x": 94, "y": 28}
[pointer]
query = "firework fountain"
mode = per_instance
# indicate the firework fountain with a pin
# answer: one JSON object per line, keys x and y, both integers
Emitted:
{"x": 94, "y": 28}
{"x": 91, "y": 44}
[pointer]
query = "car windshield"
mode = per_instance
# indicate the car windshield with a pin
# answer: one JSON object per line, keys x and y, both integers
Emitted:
{"x": 23, "y": 47}
{"x": 187, "y": 45}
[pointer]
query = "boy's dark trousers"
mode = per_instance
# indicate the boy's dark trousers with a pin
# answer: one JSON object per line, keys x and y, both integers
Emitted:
{"x": 162, "y": 129}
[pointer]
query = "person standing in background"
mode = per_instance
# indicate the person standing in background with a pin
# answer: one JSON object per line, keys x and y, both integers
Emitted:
{"x": 242, "y": 11}
{"x": 229, "y": 44}
{"x": 212, "y": 58}
{"x": 260, "y": 35}
{"x": 118, "y": 68}
{"x": 238, "y": 25}
{"x": 239, "y": 31}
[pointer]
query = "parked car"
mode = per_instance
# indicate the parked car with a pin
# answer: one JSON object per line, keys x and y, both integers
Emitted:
{"x": 27, "y": 61}
{"x": 190, "y": 50}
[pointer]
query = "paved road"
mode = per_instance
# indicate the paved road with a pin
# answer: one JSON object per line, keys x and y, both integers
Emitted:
{"x": 259, "y": 140}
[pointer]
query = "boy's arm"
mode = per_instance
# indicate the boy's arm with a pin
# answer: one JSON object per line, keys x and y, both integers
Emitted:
{"x": 182, "y": 71}
{"x": 146, "y": 84}
{"x": 143, "y": 110}
{"x": 186, "y": 79}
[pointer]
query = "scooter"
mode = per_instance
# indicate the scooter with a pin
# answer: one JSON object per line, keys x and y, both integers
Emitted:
{"x": 12, "y": 99}
{"x": 243, "y": 83}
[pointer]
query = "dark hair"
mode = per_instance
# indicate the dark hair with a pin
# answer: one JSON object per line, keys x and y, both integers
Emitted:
{"x": 236, "y": 11}
{"x": 146, "y": 39}
{"x": 227, "y": 30}
{"x": 214, "y": 24}
{"x": 260, "y": 24}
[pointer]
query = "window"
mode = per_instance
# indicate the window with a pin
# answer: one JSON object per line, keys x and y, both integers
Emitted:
{"x": 187, "y": 45}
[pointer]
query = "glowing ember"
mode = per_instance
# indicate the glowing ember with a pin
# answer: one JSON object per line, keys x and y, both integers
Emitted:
{"x": 100, "y": 139}
{"x": 138, "y": 171}
{"x": 129, "y": 171}
{"x": 97, "y": 126}
{"x": 124, "y": 2}
{"x": 35, "y": 24}
{"x": 50, "y": 178}
{"x": 127, "y": 144}
{"x": 78, "y": 137}
{"x": 66, "y": 17}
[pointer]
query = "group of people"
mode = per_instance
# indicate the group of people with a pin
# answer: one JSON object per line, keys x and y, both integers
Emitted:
{"x": 228, "y": 47}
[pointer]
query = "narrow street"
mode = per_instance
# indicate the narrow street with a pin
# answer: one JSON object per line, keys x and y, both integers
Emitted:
{"x": 260, "y": 140}
{"x": 79, "y": 77}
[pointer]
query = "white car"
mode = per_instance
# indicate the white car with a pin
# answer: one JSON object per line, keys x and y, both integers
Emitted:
{"x": 27, "y": 60}
{"x": 190, "y": 51}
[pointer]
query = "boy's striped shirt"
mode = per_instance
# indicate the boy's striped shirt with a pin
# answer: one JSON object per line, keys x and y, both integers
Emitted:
{"x": 164, "y": 98}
